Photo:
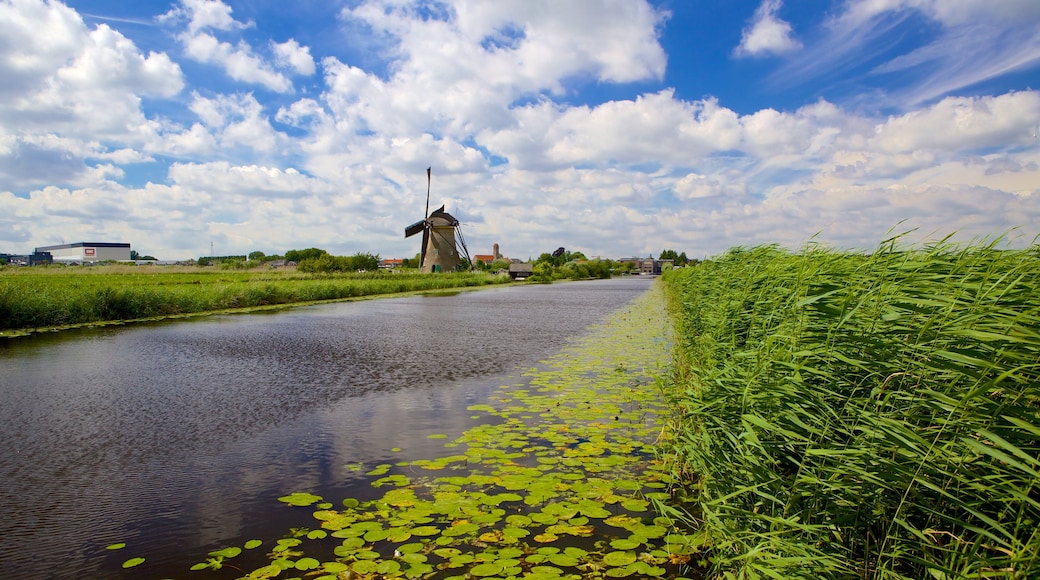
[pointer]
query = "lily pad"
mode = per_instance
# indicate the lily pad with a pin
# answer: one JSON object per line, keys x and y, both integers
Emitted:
{"x": 300, "y": 499}
{"x": 486, "y": 569}
{"x": 619, "y": 558}
{"x": 133, "y": 562}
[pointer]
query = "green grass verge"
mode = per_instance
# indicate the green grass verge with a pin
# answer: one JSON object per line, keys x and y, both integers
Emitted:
{"x": 839, "y": 415}
{"x": 35, "y": 298}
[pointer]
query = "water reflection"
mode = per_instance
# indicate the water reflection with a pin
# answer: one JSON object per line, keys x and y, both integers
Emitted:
{"x": 178, "y": 437}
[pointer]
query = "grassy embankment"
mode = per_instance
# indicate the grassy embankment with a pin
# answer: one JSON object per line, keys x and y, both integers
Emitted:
{"x": 32, "y": 298}
{"x": 861, "y": 416}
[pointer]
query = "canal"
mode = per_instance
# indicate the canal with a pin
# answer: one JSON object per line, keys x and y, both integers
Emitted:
{"x": 178, "y": 437}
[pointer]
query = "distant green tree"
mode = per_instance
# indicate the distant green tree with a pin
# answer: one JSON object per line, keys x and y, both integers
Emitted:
{"x": 364, "y": 261}
{"x": 543, "y": 271}
{"x": 300, "y": 255}
{"x": 327, "y": 263}
{"x": 256, "y": 256}
{"x": 415, "y": 262}
{"x": 677, "y": 259}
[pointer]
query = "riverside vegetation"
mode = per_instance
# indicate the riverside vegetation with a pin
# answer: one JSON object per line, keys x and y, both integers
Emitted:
{"x": 58, "y": 296}
{"x": 826, "y": 414}
{"x": 839, "y": 415}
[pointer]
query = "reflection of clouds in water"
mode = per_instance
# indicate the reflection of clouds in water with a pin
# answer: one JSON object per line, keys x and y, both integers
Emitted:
{"x": 179, "y": 435}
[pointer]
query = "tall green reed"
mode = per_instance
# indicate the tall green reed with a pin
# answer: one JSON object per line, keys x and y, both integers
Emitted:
{"x": 861, "y": 416}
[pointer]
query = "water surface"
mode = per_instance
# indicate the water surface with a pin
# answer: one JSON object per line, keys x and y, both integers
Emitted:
{"x": 178, "y": 437}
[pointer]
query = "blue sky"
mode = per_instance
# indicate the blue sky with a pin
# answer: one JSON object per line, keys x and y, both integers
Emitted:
{"x": 613, "y": 127}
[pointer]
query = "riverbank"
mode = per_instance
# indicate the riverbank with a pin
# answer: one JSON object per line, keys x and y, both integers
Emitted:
{"x": 842, "y": 415}
{"x": 52, "y": 298}
{"x": 553, "y": 480}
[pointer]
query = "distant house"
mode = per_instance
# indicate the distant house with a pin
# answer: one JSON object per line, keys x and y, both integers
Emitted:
{"x": 648, "y": 266}
{"x": 486, "y": 258}
{"x": 521, "y": 271}
{"x": 88, "y": 252}
{"x": 391, "y": 263}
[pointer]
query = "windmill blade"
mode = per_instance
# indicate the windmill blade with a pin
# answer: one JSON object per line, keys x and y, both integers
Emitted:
{"x": 428, "y": 179}
{"x": 425, "y": 240}
{"x": 414, "y": 228}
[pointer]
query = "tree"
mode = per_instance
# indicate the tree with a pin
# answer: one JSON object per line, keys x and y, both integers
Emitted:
{"x": 326, "y": 263}
{"x": 677, "y": 259}
{"x": 257, "y": 256}
{"x": 301, "y": 255}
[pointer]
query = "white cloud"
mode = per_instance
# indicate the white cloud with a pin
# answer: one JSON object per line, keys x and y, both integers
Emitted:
{"x": 238, "y": 62}
{"x": 70, "y": 93}
{"x": 203, "y": 14}
{"x": 290, "y": 54}
{"x": 461, "y": 68}
{"x": 766, "y": 33}
{"x": 238, "y": 121}
{"x": 483, "y": 92}
{"x": 964, "y": 123}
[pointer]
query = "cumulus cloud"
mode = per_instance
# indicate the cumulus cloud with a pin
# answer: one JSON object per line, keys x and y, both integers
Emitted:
{"x": 461, "y": 66}
{"x": 767, "y": 34}
{"x": 239, "y": 61}
{"x": 483, "y": 92}
{"x": 203, "y": 14}
{"x": 290, "y": 54}
{"x": 68, "y": 91}
{"x": 237, "y": 121}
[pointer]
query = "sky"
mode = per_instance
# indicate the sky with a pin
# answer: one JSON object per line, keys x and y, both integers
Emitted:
{"x": 615, "y": 128}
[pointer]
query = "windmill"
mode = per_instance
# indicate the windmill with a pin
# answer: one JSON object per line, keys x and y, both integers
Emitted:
{"x": 442, "y": 242}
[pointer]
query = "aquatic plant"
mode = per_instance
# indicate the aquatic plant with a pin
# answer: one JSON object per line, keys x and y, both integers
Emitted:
{"x": 842, "y": 415}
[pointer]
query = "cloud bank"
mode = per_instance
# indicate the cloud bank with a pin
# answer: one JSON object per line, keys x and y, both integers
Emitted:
{"x": 292, "y": 148}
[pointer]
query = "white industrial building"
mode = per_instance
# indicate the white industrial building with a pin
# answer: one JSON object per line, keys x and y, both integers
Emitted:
{"x": 88, "y": 252}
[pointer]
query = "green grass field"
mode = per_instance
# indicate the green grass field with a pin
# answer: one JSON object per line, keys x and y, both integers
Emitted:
{"x": 50, "y": 297}
{"x": 842, "y": 415}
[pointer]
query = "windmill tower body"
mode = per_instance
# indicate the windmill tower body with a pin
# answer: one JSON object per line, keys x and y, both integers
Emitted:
{"x": 440, "y": 253}
{"x": 440, "y": 246}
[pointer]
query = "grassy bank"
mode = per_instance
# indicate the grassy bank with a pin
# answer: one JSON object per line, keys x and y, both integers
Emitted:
{"x": 861, "y": 416}
{"x": 64, "y": 296}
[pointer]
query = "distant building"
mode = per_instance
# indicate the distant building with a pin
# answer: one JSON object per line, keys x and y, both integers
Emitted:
{"x": 520, "y": 271}
{"x": 26, "y": 259}
{"x": 486, "y": 258}
{"x": 391, "y": 263}
{"x": 648, "y": 266}
{"x": 88, "y": 252}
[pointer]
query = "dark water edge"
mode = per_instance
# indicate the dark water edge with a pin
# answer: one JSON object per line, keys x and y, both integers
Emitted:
{"x": 178, "y": 437}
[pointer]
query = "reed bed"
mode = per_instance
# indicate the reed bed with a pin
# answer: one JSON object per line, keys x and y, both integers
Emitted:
{"x": 840, "y": 415}
{"x": 32, "y": 298}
